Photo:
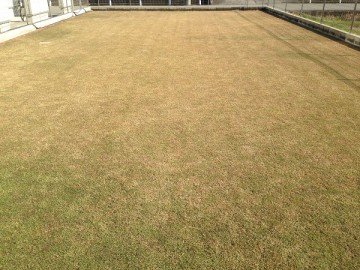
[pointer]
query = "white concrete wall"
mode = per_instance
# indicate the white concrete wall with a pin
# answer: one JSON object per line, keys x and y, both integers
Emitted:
{"x": 36, "y": 10}
{"x": 38, "y": 6}
{"x": 6, "y": 13}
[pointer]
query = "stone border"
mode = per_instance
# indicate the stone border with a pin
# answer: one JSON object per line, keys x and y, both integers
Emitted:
{"x": 317, "y": 27}
{"x": 17, "y": 32}
{"x": 4, "y": 26}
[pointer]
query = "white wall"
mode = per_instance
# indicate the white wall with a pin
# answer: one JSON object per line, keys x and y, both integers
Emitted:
{"x": 36, "y": 10}
{"x": 6, "y": 12}
{"x": 38, "y": 6}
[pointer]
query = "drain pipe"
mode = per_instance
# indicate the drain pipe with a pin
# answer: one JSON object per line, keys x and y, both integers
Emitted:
{"x": 49, "y": 7}
{"x": 27, "y": 9}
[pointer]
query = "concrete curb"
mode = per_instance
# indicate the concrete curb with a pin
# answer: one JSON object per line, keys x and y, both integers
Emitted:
{"x": 351, "y": 39}
{"x": 17, "y": 32}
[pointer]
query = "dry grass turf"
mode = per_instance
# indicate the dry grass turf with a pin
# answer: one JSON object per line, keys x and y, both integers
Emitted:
{"x": 179, "y": 140}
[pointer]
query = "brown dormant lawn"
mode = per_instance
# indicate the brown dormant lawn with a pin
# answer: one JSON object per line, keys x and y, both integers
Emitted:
{"x": 179, "y": 140}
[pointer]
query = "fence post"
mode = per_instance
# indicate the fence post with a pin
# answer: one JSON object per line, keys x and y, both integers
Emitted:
{"x": 274, "y": 4}
{"x": 353, "y": 18}
{"x": 98, "y": 2}
{"x": 302, "y": 7}
{"x": 286, "y": 5}
{"x": 247, "y": 3}
{"x": 322, "y": 14}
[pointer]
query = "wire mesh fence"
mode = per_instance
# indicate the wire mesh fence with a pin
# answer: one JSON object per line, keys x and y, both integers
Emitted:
{"x": 341, "y": 14}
